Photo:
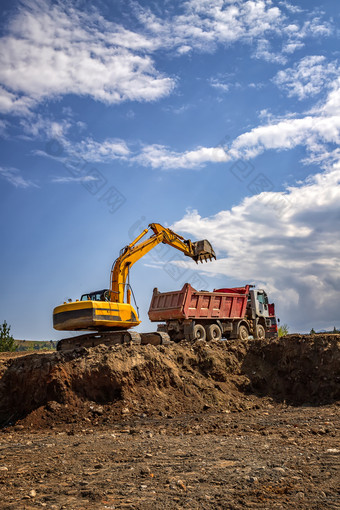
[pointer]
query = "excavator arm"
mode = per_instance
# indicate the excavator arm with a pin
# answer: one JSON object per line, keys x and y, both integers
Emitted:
{"x": 198, "y": 251}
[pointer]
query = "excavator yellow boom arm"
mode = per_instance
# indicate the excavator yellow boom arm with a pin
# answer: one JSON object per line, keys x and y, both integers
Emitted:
{"x": 198, "y": 251}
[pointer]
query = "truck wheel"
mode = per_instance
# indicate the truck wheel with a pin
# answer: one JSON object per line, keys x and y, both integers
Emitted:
{"x": 199, "y": 332}
{"x": 213, "y": 332}
{"x": 260, "y": 332}
{"x": 243, "y": 332}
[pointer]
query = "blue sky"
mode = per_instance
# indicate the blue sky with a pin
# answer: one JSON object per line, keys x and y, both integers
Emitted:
{"x": 218, "y": 118}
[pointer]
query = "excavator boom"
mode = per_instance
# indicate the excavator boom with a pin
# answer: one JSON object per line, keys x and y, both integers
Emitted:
{"x": 198, "y": 251}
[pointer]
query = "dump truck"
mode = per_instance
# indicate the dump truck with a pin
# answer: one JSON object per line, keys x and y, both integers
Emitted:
{"x": 109, "y": 312}
{"x": 224, "y": 313}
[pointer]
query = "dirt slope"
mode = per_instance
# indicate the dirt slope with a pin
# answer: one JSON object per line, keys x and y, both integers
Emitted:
{"x": 103, "y": 385}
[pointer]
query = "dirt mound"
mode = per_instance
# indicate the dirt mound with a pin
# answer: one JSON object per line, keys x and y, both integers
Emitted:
{"x": 103, "y": 384}
{"x": 297, "y": 368}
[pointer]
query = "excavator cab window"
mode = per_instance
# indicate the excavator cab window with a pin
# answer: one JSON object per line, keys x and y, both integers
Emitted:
{"x": 88, "y": 297}
{"x": 99, "y": 295}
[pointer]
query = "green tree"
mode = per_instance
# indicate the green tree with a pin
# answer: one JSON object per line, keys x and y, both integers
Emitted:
{"x": 312, "y": 331}
{"x": 335, "y": 330}
{"x": 283, "y": 330}
{"x": 7, "y": 343}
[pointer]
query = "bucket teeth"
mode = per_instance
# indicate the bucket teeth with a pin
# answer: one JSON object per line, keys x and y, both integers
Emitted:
{"x": 203, "y": 251}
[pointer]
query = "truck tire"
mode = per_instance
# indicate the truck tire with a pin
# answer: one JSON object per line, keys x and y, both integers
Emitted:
{"x": 260, "y": 332}
{"x": 243, "y": 332}
{"x": 199, "y": 332}
{"x": 213, "y": 332}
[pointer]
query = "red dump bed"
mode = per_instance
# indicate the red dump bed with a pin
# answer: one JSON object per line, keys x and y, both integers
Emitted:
{"x": 188, "y": 303}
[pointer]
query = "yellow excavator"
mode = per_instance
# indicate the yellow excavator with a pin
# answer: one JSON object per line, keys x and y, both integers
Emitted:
{"x": 105, "y": 311}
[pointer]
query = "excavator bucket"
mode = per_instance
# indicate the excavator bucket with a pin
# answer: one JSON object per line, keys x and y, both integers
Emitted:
{"x": 203, "y": 251}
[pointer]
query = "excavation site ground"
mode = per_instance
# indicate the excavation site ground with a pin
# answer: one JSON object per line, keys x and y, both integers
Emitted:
{"x": 252, "y": 424}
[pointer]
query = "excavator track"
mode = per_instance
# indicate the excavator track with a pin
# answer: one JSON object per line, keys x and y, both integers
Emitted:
{"x": 112, "y": 338}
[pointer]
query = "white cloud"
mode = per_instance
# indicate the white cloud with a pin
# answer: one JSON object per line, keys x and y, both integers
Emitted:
{"x": 84, "y": 178}
{"x": 206, "y": 24}
{"x": 59, "y": 145}
{"x": 14, "y": 103}
{"x": 316, "y": 28}
{"x": 264, "y": 52}
{"x": 219, "y": 85}
{"x": 291, "y": 46}
{"x": 317, "y": 131}
{"x": 308, "y": 77}
{"x": 159, "y": 156}
{"x": 154, "y": 156}
{"x": 13, "y": 176}
{"x": 107, "y": 150}
{"x": 287, "y": 242}
{"x": 287, "y": 134}
{"x": 38, "y": 126}
{"x": 53, "y": 49}
{"x": 290, "y": 7}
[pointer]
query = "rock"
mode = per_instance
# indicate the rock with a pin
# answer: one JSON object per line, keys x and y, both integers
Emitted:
{"x": 252, "y": 479}
{"x": 3, "y": 468}
{"x": 134, "y": 431}
{"x": 125, "y": 410}
{"x": 279, "y": 470}
{"x": 33, "y": 493}
{"x": 181, "y": 484}
{"x": 53, "y": 406}
{"x": 96, "y": 409}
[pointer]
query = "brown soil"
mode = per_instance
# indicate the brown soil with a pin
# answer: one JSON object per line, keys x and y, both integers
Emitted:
{"x": 204, "y": 425}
